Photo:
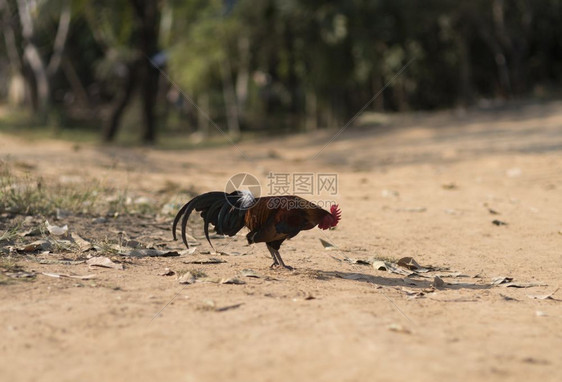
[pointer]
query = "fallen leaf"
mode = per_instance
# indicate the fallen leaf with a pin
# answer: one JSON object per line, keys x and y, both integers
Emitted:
{"x": 30, "y": 232}
{"x": 84, "y": 245}
{"x": 381, "y": 265}
{"x": 249, "y": 273}
{"x": 544, "y": 296}
{"x": 438, "y": 282}
{"x": 56, "y": 230}
{"x": 359, "y": 261}
{"x": 508, "y": 298}
{"x": 214, "y": 280}
{"x": 415, "y": 293}
{"x": 508, "y": 282}
{"x": 62, "y": 275}
{"x": 20, "y": 274}
{"x": 187, "y": 278}
{"x": 222, "y": 253}
{"x": 62, "y": 261}
{"x": 43, "y": 245}
{"x": 523, "y": 285}
{"x": 354, "y": 276}
{"x": 398, "y": 328}
{"x": 148, "y": 252}
{"x": 228, "y": 307}
{"x": 327, "y": 245}
{"x": 189, "y": 251}
{"x": 498, "y": 222}
{"x": 501, "y": 280}
{"x": 449, "y": 186}
{"x": 389, "y": 193}
{"x": 411, "y": 264}
{"x": 103, "y": 262}
{"x": 210, "y": 260}
{"x": 232, "y": 280}
{"x": 167, "y": 272}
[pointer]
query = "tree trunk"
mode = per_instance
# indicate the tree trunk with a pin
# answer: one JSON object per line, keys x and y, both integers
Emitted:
{"x": 42, "y": 73}
{"x": 41, "y": 85}
{"x": 148, "y": 13}
{"x": 465, "y": 88}
{"x": 114, "y": 120}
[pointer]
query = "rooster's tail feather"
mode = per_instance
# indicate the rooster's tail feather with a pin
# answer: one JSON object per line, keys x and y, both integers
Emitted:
{"x": 225, "y": 211}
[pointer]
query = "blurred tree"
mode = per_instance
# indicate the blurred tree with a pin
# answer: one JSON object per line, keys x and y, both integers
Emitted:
{"x": 37, "y": 71}
{"x": 276, "y": 64}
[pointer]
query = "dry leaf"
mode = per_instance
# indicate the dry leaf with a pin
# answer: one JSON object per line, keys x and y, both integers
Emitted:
{"x": 327, "y": 245}
{"x": 249, "y": 273}
{"x": 232, "y": 280}
{"x": 56, "y": 230}
{"x": 83, "y": 244}
{"x": 508, "y": 298}
{"x": 43, "y": 245}
{"x": 30, "y": 232}
{"x": 189, "y": 251}
{"x": 228, "y": 307}
{"x": 501, "y": 280}
{"x": 438, "y": 282}
{"x": 210, "y": 260}
{"x": 449, "y": 186}
{"x": 415, "y": 293}
{"x": 523, "y": 285}
{"x": 359, "y": 261}
{"x": 20, "y": 274}
{"x": 544, "y": 296}
{"x": 62, "y": 275}
{"x": 390, "y": 268}
{"x": 187, "y": 278}
{"x": 104, "y": 262}
{"x": 354, "y": 276}
{"x": 148, "y": 252}
{"x": 398, "y": 328}
{"x": 411, "y": 264}
{"x": 167, "y": 272}
{"x": 64, "y": 262}
{"x": 222, "y": 253}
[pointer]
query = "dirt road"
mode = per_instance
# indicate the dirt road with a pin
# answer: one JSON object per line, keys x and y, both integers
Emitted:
{"x": 422, "y": 186}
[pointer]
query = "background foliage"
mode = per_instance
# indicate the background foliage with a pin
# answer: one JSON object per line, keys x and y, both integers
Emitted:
{"x": 268, "y": 65}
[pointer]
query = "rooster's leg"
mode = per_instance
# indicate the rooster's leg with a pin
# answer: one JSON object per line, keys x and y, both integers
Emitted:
{"x": 273, "y": 256}
{"x": 281, "y": 262}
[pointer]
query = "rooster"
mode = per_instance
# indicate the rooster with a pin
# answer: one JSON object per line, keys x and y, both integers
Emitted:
{"x": 271, "y": 219}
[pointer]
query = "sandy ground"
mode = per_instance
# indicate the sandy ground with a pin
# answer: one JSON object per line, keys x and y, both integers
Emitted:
{"x": 420, "y": 186}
